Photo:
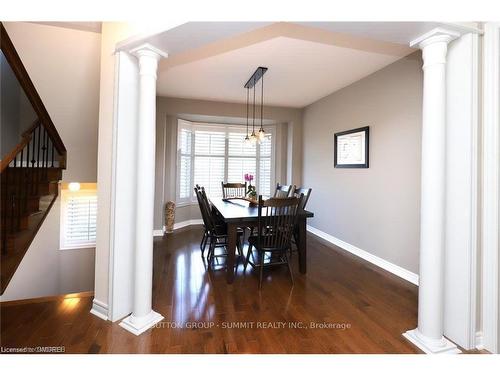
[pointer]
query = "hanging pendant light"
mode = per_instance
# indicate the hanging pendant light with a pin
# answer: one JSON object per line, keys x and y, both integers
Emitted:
{"x": 253, "y": 136}
{"x": 262, "y": 133}
{"x": 247, "y": 138}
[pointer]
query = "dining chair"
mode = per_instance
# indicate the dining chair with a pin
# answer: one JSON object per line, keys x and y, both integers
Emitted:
{"x": 216, "y": 231}
{"x": 233, "y": 190}
{"x": 303, "y": 194}
{"x": 276, "y": 221}
{"x": 204, "y": 239}
{"x": 306, "y": 193}
{"x": 283, "y": 191}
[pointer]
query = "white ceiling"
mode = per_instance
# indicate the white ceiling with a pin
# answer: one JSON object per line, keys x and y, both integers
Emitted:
{"x": 94, "y": 27}
{"x": 306, "y": 60}
{"x": 300, "y": 72}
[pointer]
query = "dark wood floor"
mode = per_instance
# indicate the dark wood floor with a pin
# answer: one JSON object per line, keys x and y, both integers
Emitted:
{"x": 374, "y": 306}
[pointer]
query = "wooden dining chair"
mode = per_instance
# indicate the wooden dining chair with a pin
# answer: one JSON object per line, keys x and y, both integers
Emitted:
{"x": 216, "y": 231}
{"x": 283, "y": 191}
{"x": 303, "y": 194}
{"x": 276, "y": 222}
{"x": 233, "y": 190}
{"x": 204, "y": 239}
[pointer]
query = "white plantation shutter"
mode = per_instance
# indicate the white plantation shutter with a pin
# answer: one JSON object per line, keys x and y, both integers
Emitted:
{"x": 209, "y": 154}
{"x": 242, "y": 158}
{"x": 209, "y": 160}
{"x": 184, "y": 163}
{"x": 265, "y": 165}
{"x": 79, "y": 218}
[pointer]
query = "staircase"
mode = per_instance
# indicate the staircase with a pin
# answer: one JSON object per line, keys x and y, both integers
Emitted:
{"x": 29, "y": 174}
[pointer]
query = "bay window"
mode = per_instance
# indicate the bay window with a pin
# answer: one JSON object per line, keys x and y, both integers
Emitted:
{"x": 208, "y": 154}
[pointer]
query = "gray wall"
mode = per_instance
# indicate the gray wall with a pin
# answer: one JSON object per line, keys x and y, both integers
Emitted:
{"x": 66, "y": 76}
{"x": 375, "y": 209}
{"x": 168, "y": 110}
{"x": 16, "y": 111}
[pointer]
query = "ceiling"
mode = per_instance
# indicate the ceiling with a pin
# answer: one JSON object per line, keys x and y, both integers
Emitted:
{"x": 94, "y": 27}
{"x": 306, "y": 60}
{"x": 300, "y": 72}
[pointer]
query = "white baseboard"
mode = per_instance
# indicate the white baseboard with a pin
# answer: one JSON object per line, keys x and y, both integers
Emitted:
{"x": 187, "y": 223}
{"x": 382, "y": 263}
{"x": 430, "y": 346}
{"x": 158, "y": 233}
{"x": 99, "y": 309}
{"x": 182, "y": 224}
{"x": 141, "y": 326}
{"x": 479, "y": 340}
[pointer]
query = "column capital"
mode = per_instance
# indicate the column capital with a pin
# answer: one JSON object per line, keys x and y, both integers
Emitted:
{"x": 148, "y": 50}
{"x": 148, "y": 56}
{"x": 436, "y": 35}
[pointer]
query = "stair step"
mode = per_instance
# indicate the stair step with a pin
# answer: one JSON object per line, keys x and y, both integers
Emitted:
{"x": 15, "y": 224}
{"x": 44, "y": 188}
{"x": 49, "y": 174}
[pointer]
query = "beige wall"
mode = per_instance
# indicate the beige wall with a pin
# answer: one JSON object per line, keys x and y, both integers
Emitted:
{"x": 47, "y": 271}
{"x": 64, "y": 67}
{"x": 375, "y": 209}
{"x": 169, "y": 110}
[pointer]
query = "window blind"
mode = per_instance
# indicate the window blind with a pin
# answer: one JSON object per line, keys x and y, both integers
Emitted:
{"x": 184, "y": 162}
{"x": 210, "y": 154}
{"x": 79, "y": 220}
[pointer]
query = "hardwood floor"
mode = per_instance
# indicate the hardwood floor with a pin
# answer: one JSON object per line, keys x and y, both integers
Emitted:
{"x": 374, "y": 307}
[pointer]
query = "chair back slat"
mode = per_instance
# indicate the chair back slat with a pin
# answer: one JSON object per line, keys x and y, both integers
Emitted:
{"x": 306, "y": 193}
{"x": 283, "y": 191}
{"x": 233, "y": 190}
{"x": 205, "y": 208}
{"x": 276, "y": 222}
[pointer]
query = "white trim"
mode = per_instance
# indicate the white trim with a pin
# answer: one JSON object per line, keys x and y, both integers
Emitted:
{"x": 440, "y": 32}
{"x": 474, "y": 186}
{"x": 479, "y": 340}
{"x": 442, "y": 346}
{"x": 137, "y": 327}
{"x": 462, "y": 147}
{"x": 158, "y": 233}
{"x": 147, "y": 47}
{"x": 491, "y": 185}
{"x": 99, "y": 309}
{"x": 187, "y": 223}
{"x": 379, "y": 262}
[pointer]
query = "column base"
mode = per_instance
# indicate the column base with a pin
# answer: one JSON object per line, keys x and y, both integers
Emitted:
{"x": 142, "y": 324}
{"x": 431, "y": 346}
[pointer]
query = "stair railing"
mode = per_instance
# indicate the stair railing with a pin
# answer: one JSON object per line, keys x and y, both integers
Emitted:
{"x": 28, "y": 172}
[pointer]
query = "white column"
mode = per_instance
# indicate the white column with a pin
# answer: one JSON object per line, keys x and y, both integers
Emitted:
{"x": 143, "y": 317}
{"x": 428, "y": 336}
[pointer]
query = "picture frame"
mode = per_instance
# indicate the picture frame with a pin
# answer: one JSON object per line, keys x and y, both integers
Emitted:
{"x": 351, "y": 148}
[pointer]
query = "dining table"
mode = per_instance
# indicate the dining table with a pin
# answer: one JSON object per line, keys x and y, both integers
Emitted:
{"x": 239, "y": 213}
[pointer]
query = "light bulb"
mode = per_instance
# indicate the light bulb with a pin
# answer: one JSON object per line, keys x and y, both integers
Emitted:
{"x": 247, "y": 140}
{"x": 74, "y": 186}
{"x": 261, "y": 135}
{"x": 253, "y": 138}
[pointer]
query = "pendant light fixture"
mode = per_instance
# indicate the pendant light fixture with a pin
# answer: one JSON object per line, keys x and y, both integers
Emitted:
{"x": 251, "y": 83}
{"x": 247, "y": 138}
{"x": 262, "y": 133}
{"x": 253, "y": 137}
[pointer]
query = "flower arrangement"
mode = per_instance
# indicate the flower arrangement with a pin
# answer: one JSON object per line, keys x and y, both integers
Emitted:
{"x": 251, "y": 192}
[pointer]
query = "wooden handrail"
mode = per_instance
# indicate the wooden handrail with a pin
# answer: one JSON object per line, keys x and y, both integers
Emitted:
{"x": 20, "y": 72}
{"x": 11, "y": 155}
{"x": 26, "y": 138}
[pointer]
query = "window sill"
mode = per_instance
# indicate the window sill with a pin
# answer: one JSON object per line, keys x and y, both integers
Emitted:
{"x": 185, "y": 204}
{"x": 83, "y": 247}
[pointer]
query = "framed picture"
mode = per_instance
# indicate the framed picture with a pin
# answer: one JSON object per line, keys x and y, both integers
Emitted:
{"x": 351, "y": 148}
